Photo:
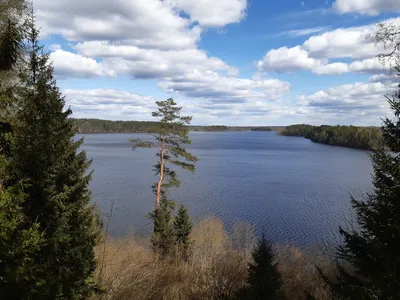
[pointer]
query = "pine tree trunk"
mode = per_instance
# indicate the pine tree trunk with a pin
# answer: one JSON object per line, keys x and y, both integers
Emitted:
{"x": 160, "y": 180}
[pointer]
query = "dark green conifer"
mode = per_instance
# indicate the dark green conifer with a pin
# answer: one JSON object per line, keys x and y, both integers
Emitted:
{"x": 264, "y": 280}
{"x": 182, "y": 229}
{"x": 163, "y": 236}
{"x": 20, "y": 239}
{"x": 368, "y": 260}
{"x": 57, "y": 198}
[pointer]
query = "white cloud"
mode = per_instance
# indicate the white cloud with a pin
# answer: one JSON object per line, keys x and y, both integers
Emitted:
{"x": 384, "y": 78}
{"x": 148, "y": 39}
{"x": 151, "y": 63}
{"x": 287, "y": 60}
{"x": 109, "y": 104}
{"x": 211, "y": 13}
{"x": 211, "y": 86}
{"x": 116, "y": 105}
{"x": 317, "y": 51}
{"x": 145, "y": 23}
{"x": 342, "y": 42}
{"x": 367, "y": 7}
{"x": 361, "y": 98}
{"x": 294, "y": 59}
{"x": 67, "y": 64}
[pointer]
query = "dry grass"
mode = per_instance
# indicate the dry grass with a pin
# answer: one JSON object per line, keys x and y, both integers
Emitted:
{"x": 299, "y": 273}
{"x": 217, "y": 268}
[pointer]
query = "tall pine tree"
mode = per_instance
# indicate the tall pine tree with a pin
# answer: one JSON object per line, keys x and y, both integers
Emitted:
{"x": 369, "y": 258}
{"x": 169, "y": 136}
{"x": 264, "y": 281}
{"x": 57, "y": 198}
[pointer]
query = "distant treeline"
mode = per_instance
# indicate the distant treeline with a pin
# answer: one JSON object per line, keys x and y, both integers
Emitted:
{"x": 261, "y": 129}
{"x": 347, "y": 136}
{"x": 106, "y": 126}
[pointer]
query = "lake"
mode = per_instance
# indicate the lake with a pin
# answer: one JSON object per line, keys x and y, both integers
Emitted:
{"x": 291, "y": 189}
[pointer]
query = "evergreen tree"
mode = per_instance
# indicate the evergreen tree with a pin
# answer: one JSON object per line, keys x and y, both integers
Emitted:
{"x": 19, "y": 272}
{"x": 56, "y": 197}
{"x": 182, "y": 229}
{"x": 264, "y": 280}
{"x": 163, "y": 235}
{"x": 368, "y": 260}
{"x": 169, "y": 135}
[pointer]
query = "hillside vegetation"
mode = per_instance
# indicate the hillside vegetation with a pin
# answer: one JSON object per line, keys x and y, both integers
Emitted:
{"x": 217, "y": 268}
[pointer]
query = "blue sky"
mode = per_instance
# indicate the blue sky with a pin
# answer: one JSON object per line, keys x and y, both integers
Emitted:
{"x": 231, "y": 62}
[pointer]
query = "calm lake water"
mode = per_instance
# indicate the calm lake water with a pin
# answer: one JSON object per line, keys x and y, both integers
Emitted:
{"x": 291, "y": 189}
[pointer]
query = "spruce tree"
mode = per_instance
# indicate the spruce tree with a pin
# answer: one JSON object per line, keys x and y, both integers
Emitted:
{"x": 368, "y": 261}
{"x": 163, "y": 237}
{"x": 264, "y": 280}
{"x": 56, "y": 195}
{"x": 168, "y": 137}
{"x": 19, "y": 239}
{"x": 182, "y": 229}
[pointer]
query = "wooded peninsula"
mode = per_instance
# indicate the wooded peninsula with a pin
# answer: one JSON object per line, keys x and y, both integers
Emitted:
{"x": 346, "y": 136}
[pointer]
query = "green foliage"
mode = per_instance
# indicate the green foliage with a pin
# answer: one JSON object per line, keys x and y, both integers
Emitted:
{"x": 56, "y": 198}
{"x": 20, "y": 239}
{"x": 10, "y": 46}
{"x": 347, "y": 136}
{"x": 20, "y": 275}
{"x": 182, "y": 229}
{"x": 297, "y": 130}
{"x": 264, "y": 281}
{"x": 162, "y": 238}
{"x": 107, "y": 126}
{"x": 368, "y": 259}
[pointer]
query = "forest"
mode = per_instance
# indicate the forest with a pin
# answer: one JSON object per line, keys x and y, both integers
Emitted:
{"x": 346, "y": 136}
{"x": 55, "y": 244}
{"x": 107, "y": 126}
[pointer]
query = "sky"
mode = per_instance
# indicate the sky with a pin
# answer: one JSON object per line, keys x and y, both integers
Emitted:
{"x": 226, "y": 62}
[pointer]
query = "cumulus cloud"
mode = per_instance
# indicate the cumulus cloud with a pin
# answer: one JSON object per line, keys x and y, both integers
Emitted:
{"x": 287, "y": 60}
{"x": 145, "y": 23}
{"x": 151, "y": 63}
{"x": 116, "y": 104}
{"x": 342, "y": 42}
{"x": 68, "y": 64}
{"x": 210, "y": 13}
{"x": 367, "y": 7}
{"x": 109, "y": 104}
{"x": 384, "y": 78}
{"x": 352, "y": 99}
{"x": 216, "y": 88}
{"x": 316, "y": 53}
{"x": 294, "y": 59}
{"x": 150, "y": 39}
